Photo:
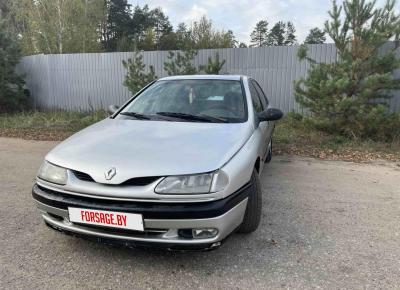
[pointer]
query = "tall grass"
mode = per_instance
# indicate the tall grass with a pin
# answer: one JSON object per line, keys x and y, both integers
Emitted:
{"x": 56, "y": 120}
{"x": 293, "y": 130}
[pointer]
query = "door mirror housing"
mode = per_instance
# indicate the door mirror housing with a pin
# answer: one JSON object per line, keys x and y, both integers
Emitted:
{"x": 271, "y": 114}
{"x": 112, "y": 109}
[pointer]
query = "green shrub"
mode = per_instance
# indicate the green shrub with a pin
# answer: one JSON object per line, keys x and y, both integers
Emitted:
{"x": 180, "y": 63}
{"x": 376, "y": 124}
{"x": 348, "y": 96}
{"x": 294, "y": 116}
{"x": 13, "y": 97}
{"x": 136, "y": 78}
{"x": 213, "y": 66}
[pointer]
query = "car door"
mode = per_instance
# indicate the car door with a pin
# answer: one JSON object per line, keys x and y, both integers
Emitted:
{"x": 263, "y": 126}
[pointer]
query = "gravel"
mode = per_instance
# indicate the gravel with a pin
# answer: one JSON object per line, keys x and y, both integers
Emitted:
{"x": 325, "y": 224}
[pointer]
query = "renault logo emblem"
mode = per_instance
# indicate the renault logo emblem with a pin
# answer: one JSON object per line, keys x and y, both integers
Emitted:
{"x": 110, "y": 173}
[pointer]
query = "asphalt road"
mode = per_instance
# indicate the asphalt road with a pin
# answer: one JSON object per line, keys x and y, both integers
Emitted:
{"x": 325, "y": 225}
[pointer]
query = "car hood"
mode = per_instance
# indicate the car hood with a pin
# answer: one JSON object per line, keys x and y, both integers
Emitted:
{"x": 138, "y": 148}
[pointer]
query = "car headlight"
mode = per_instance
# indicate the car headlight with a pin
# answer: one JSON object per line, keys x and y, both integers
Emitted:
{"x": 193, "y": 184}
{"x": 53, "y": 173}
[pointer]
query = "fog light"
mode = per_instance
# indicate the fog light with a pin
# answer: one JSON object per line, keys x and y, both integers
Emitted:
{"x": 204, "y": 233}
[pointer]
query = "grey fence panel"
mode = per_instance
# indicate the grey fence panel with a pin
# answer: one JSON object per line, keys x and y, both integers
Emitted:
{"x": 394, "y": 103}
{"x": 83, "y": 82}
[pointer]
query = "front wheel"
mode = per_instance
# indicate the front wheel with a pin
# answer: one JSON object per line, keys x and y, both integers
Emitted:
{"x": 252, "y": 215}
{"x": 269, "y": 154}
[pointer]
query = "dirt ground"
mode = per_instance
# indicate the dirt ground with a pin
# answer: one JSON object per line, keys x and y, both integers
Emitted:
{"x": 325, "y": 224}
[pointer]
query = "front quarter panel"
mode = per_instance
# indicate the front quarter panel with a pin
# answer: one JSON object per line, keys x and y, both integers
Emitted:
{"x": 240, "y": 167}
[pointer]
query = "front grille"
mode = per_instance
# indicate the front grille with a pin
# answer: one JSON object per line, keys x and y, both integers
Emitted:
{"x": 83, "y": 176}
{"x": 137, "y": 181}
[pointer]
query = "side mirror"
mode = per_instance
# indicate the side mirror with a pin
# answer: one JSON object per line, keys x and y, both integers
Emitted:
{"x": 112, "y": 109}
{"x": 271, "y": 114}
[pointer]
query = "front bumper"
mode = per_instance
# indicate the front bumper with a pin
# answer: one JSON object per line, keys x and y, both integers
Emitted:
{"x": 161, "y": 221}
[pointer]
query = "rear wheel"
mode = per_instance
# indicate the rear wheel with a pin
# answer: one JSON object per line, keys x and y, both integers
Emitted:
{"x": 252, "y": 215}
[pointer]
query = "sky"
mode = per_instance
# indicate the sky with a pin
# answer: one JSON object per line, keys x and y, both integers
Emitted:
{"x": 240, "y": 16}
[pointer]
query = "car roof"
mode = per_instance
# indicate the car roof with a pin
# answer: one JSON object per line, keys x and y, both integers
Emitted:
{"x": 203, "y": 77}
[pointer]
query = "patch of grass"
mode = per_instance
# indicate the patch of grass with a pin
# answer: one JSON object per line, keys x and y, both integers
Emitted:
{"x": 56, "y": 125}
{"x": 295, "y": 135}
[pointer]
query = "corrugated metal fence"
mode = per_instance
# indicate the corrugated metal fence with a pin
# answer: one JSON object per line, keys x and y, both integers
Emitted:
{"x": 92, "y": 81}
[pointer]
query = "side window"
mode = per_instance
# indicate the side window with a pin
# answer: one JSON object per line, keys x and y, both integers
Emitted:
{"x": 263, "y": 98}
{"x": 258, "y": 107}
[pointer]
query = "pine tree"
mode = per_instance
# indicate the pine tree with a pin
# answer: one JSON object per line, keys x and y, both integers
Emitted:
{"x": 282, "y": 34}
{"x": 118, "y": 20}
{"x": 277, "y": 34}
{"x": 180, "y": 63}
{"x": 12, "y": 96}
{"x": 348, "y": 96}
{"x": 315, "y": 36}
{"x": 260, "y": 34}
{"x": 161, "y": 25}
{"x": 290, "y": 37}
{"x": 137, "y": 78}
{"x": 213, "y": 66}
{"x": 183, "y": 37}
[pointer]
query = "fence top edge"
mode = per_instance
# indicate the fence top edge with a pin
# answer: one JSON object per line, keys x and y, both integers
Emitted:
{"x": 166, "y": 51}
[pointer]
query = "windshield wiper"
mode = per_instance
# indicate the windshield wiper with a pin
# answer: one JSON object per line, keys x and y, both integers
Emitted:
{"x": 135, "y": 115}
{"x": 199, "y": 118}
{"x": 215, "y": 119}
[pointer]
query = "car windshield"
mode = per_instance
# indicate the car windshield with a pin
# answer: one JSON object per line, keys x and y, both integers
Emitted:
{"x": 190, "y": 100}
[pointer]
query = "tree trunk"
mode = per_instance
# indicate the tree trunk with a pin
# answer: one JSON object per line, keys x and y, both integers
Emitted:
{"x": 60, "y": 28}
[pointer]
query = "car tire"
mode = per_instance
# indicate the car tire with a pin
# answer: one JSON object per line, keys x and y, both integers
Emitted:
{"x": 269, "y": 154}
{"x": 253, "y": 212}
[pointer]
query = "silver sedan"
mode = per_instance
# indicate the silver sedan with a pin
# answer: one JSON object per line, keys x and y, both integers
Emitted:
{"x": 177, "y": 166}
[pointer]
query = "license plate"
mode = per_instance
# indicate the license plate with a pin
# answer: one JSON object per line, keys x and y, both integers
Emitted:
{"x": 131, "y": 221}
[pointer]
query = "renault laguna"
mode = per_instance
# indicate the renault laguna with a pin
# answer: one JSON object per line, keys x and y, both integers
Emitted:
{"x": 177, "y": 166}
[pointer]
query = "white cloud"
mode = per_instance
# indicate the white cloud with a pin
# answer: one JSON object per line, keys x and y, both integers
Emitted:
{"x": 194, "y": 13}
